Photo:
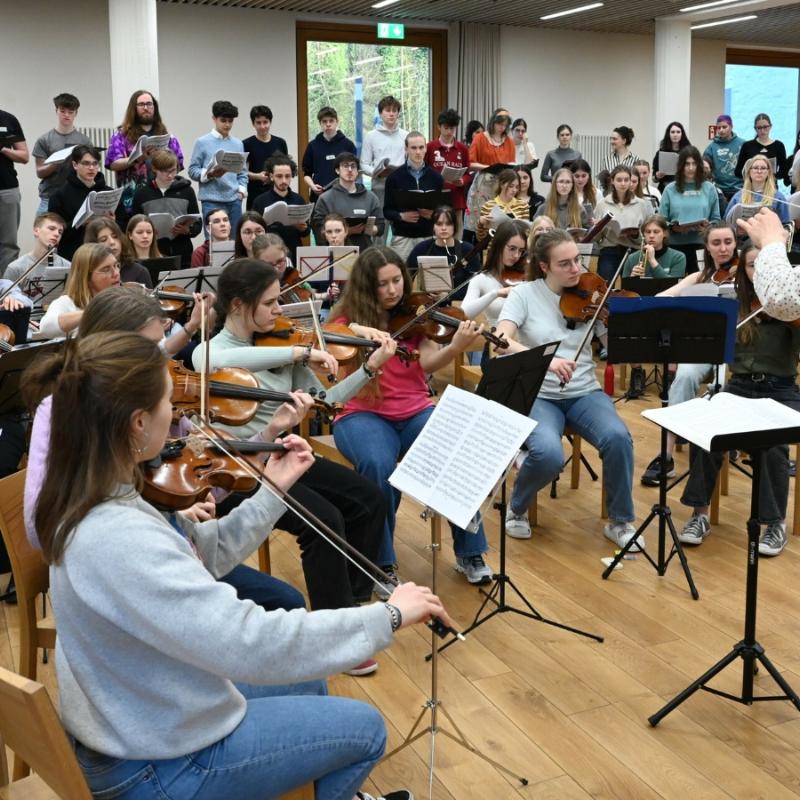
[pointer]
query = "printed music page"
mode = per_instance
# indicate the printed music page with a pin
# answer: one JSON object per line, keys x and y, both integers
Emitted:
{"x": 700, "y": 421}
{"x": 460, "y": 454}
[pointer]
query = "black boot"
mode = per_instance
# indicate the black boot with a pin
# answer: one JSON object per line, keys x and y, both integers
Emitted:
{"x": 636, "y": 386}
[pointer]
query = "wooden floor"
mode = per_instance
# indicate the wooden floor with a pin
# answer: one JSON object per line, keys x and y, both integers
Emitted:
{"x": 570, "y": 714}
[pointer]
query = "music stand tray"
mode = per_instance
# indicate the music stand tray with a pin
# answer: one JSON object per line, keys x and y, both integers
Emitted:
{"x": 13, "y": 364}
{"x": 648, "y": 287}
{"x": 748, "y": 649}
{"x": 192, "y": 280}
{"x": 664, "y": 330}
{"x": 155, "y": 266}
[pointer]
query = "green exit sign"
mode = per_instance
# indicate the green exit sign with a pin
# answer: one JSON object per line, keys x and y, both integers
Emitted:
{"x": 391, "y": 30}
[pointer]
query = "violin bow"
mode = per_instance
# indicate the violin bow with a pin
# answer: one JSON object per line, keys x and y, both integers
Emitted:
{"x": 318, "y": 333}
{"x": 752, "y": 315}
{"x": 350, "y": 553}
{"x": 590, "y": 327}
{"x": 7, "y": 291}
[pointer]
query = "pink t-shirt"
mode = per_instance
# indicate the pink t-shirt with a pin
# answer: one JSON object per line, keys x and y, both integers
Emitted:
{"x": 404, "y": 389}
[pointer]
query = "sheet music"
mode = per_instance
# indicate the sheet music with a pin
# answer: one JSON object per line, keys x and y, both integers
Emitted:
{"x": 700, "y": 421}
{"x": 453, "y": 174}
{"x": 159, "y": 141}
{"x": 60, "y": 155}
{"x": 460, "y": 454}
{"x": 667, "y": 162}
{"x": 228, "y": 160}
{"x": 221, "y": 252}
{"x": 97, "y": 204}
{"x": 164, "y": 222}
{"x": 434, "y": 274}
{"x": 282, "y": 213}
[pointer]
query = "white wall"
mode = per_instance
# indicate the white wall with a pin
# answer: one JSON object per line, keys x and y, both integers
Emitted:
{"x": 247, "y": 56}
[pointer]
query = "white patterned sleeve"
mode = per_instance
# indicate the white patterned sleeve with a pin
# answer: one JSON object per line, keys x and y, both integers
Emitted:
{"x": 777, "y": 283}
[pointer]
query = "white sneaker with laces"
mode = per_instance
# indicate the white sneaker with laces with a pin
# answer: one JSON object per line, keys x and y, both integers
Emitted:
{"x": 517, "y": 525}
{"x": 621, "y": 533}
{"x": 400, "y": 794}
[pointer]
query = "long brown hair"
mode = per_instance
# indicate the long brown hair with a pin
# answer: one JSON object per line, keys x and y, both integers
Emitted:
{"x": 85, "y": 261}
{"x": 745, "y": 294}
{"x": 135, "y": 220}
{"x": 131, "y": 128}
{"x": 573, "y": 206}
{"x": 98, "y": 382}
{"x": 359, "y": 302}
{"x": 96, "y": 225}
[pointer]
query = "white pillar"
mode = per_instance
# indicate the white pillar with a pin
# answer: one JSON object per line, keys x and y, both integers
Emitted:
{"x": 133, "y": 37}
{"x": 673, "y": 68}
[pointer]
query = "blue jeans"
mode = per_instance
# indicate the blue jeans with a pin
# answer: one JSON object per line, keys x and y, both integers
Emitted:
{"x": 232, "y": 207}
{"x": 264, "y": 590}
{"x": 289, "y": 736}
{"x": 375, "y": 445}
{"x": 594, "y": 418}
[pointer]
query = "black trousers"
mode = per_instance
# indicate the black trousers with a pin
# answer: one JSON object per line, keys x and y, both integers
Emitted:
{"x": 354, "y": 508}
{"x": 773, "y": 492}
{"x": 12, "y": 448}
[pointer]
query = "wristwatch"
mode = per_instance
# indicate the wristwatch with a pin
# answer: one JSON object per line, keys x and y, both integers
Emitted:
{"x": 395, "y": 616}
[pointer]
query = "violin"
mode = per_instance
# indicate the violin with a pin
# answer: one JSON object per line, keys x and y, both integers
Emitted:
{"x": 579, "y": 303}
{"x": 757, "y": 310}
{"x": 342, "y": 345}
{"x": 726, "y": 273}
{"x": 292, "y": 288}
{"x": 188, "y": 468}
{"x": 234, "y": 395}
{"x": 435, "y": 322}
{"x": 7, "y": 338}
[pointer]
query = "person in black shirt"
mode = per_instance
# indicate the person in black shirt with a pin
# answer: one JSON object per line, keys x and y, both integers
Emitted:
{"x": 319, "y": 158}
{"x": 281, "y": 169}
{"x": 259, "y": 148}
{"x": 13, "y": 150}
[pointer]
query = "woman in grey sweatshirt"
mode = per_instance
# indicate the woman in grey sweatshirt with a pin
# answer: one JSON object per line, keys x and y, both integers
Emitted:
{"x": 169, "y": 685}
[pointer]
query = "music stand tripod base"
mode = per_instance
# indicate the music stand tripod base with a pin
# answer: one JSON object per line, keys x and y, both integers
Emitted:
{"x": 748, "y": 649}
{"x": 665, "y": 330}
{"x": 433, "y": 704}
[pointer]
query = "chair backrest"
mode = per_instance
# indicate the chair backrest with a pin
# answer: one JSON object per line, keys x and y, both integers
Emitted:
{"x": 30, "y": 726}
{"x": 31, "y": 573}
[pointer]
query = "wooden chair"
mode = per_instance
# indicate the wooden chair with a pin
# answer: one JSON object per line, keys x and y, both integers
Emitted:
{"x": 303, "y": 793}
{"x": 32, "y": 579}
{"x": 30, "y": 727}
{"x": 464, "y": 373}
{"x": 574, "y": 461}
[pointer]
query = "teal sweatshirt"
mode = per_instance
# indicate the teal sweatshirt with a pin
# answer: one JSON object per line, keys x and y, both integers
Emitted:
{"x": 687, "y": 206}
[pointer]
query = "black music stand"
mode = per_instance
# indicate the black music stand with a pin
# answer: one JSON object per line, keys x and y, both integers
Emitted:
{"x": 514, "y": 382}
{"x": 748, "y": 649}
{"x": 12, "y": 365}
{"x": 688, "y": 330}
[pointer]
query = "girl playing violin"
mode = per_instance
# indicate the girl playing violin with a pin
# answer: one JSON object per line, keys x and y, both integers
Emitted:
{"x": 765, "y": 365}
{"x": 247, "y": 304}
{"x": 159, "y": 664}
{"x": 94, "y": 268}
{"x": 381, "y": 422}
{"x": 122, "y": 308}
{"x": 532, "y": 315}
{"x": 488, "y": 290}
{"x": 719, "y": 264}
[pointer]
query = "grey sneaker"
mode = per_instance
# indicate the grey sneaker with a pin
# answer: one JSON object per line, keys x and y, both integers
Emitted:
{"x": 621, "y": 533}
{"x": 695, "y": 530}
{"x": 517, "y": 525}
{"x": 384, "y": 590}
{"x": 773, "y": 540}
{"x": 474, "y": 568}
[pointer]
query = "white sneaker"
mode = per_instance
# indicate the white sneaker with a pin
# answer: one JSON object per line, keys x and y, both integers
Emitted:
{"x": 517, "y": 525}
{"x": 621, "y": 533}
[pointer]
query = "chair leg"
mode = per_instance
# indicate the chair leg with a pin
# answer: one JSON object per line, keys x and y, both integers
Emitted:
{"x": 264, "y": 562}
{"x": 575, "y": 476}
{"x": 796, "y": 510}
{"x": 714, "y": 507}
{"x": 724, "y": 474}
{"x": 533, "y": 510}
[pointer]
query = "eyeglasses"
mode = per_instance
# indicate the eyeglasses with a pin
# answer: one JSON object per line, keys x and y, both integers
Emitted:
{"x": 513, "y": 249}
{"x": 763, "y": 127}
{"x": 520, "y": 130}
{"x": 90, "y": 164}
{"x": 109, "y": 269}
{"x": 150, "y": 104}
{"x": 348, "y": 166}
{"x": 759, "y": 168}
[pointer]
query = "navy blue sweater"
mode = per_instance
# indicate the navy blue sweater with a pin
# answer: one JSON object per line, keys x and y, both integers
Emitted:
{"x": 320, "y": 154}
{"x": 402, "y": 179}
